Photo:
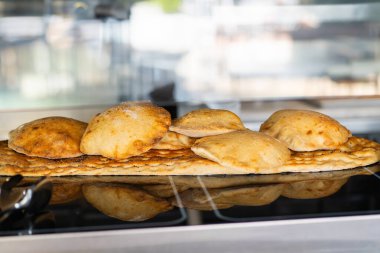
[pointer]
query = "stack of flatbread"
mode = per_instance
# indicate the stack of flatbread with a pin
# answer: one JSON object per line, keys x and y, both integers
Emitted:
{"x": 139, "y": 138}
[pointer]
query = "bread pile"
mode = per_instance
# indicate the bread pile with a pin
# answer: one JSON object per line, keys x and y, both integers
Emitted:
{"x": 138, "y": 138}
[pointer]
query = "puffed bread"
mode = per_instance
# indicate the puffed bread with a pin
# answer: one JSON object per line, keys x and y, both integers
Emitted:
{"x": 243, "y": 150}
{"x": 303, "y": 130}
{"x": 52, "y": 137}
{"x": 354, "y": 153}
{"x": 173, "y": 141}
{"x": 125, "y": 130}
{"x": 206, "y": 122}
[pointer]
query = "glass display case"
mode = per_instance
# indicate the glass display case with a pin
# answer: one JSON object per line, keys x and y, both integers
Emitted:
{"x": 251, "y": 57}
{"x": 76, "y": 58}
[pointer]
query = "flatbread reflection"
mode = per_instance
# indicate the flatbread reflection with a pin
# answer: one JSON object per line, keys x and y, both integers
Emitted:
{"x": 191, "y": 199}
{"x": 313, "y": 189}
{"x": 258, "y": 195}
{"x": 139, "y": 198}
{"x": 65, "y": 192}
{"x": 124, "y": 202}
{"x": 164, "y": 190}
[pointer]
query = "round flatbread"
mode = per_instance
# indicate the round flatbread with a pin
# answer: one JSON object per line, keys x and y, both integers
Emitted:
{"x": 174, "y": 141}
{"x": 126, "y": 130}
{"x": 245, "y": 150}
{"x": 303, "y": 130}
{"x": 206, "y": 122}
{"x": 52, "y": 137}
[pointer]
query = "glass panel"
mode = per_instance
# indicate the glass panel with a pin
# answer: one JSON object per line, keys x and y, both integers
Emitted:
{"x": 68, "y": 53}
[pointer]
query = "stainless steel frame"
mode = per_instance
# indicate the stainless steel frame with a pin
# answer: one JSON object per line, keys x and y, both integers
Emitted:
{"x": 344, "y": 234}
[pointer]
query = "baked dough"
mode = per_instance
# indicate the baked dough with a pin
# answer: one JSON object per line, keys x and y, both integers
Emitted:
{"x": 243, "y": 150}
{"x": 52, "y": 137}
{"x": 303, "y": 130}
{"x": 173, "y": 141}
{"x": 206, "y": 122}
{"x": 124, "y": 202}
{"x": 354, "y": 153}
{"x": 125, "y": 130}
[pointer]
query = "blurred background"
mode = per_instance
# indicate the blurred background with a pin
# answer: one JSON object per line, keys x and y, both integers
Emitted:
{"x": 75, "y": 58}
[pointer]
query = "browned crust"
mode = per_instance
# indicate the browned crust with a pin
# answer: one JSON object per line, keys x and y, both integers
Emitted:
{"x": 206, "y": 122}
{"x": 135, "y": 136}
{"x": 356, "y": 152}
{"x": 51, "y": 137}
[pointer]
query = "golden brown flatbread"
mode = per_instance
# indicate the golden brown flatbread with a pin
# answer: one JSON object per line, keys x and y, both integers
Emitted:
{"x": 206, "y": 122}
{"x": 173, "y": 141}
{"x": 126, "y": 130}
{"x": 243, "y": 150}
{"x": 304, "y": 130}
{"x": 52, "y": 137}
{"x": 354, "y": 153}
{"x": 124, "y": 202}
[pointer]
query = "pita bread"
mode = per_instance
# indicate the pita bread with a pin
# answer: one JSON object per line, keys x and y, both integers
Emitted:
{"x": 243, "y": 150}
{"x": 206, "y": 122}
{"x": 313, "y": 189}
{"x": 125, "y": 130}
{"x": 303, "y": 130}
{"x": 124, "y": 202}
{"x": 354, "y": 153}
{"x": 52, "y": 137}
{"x": 173, "y": 141}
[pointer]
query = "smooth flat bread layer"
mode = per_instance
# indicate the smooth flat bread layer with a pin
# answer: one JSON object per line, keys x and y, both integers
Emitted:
{"x": 354, "y": 153}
